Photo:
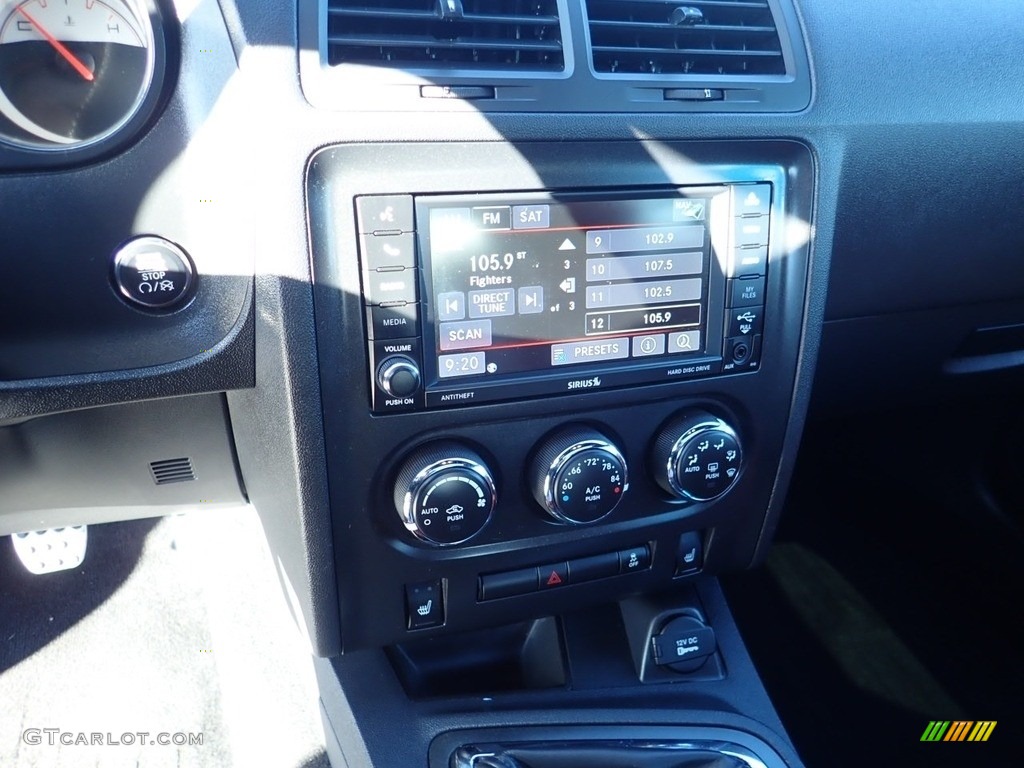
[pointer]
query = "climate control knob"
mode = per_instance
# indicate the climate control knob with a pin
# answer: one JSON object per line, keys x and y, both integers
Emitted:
{"x": 578, "y": 475}
{"x": 444, "y": 493}
{"x": 696, "y": 457}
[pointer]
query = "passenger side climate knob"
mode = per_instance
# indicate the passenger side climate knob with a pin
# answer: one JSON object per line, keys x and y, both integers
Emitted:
{"x": 578, "y": 475}
{"x": 445, "y": 493}
{"x": 398, "y": 376}
{"x": 696, "y": 457}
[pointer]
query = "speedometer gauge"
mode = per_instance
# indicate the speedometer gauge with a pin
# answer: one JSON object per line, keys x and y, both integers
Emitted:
{"x": 72, "y": 72}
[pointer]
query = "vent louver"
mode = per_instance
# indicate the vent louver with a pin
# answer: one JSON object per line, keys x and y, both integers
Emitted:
{"x": 703, "y": 37}
{"x": 512, "y": 35}
{"x": 172, "y": 471}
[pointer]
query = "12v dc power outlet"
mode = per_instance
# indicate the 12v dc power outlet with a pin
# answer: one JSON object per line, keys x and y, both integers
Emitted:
{"x": 684, "y": 644}
{"x": 153, "y": 273}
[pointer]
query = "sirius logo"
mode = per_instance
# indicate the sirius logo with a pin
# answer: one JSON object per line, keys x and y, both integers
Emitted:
{"x": 585, "y": 383}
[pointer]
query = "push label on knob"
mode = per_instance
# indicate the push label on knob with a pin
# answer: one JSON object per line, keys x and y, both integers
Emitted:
{"x": 578, "y": 476}
{"x": 395, "y": 376}
{"x": 696, "y": 457}
{"x": 444, "y": 494}
{"x": 452, "y": 507}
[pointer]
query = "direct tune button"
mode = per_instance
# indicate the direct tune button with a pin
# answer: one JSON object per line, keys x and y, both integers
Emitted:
{"x": 399, "y": 376}
{"x": 696, "y": 457}
{"x": 578, "y": 476}
{"x": 152, "y": 273}
{"x": 444, "y": 494}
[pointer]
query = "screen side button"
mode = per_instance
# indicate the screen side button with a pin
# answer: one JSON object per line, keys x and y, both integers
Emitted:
{"x": 752, "y": 200}
{"x": 388, "y": 252}
{"x": 746, "y": 292}
{"x": 393, "y": 321}
{"x": 384, "y": 213}
{"x": 749, "y": 262}
{"x": 751, "y": 232}
{"x": 392, "y": 286}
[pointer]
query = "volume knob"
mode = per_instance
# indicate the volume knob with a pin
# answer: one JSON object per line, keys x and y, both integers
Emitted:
{"x": 399, "y": 376}
{"x": 578, "y": 475}
{"x": 444, "y": 493}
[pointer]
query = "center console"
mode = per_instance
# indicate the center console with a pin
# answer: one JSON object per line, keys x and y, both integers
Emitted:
{"x": 556, "y": 385}
{"x": 574, "y": 374}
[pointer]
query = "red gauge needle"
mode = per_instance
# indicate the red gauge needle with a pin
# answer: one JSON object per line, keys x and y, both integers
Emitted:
{"x": 73, "y": 60}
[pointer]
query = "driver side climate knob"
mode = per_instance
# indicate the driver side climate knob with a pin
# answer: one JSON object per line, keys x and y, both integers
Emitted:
{"x": 444, "y": 493}
{"x": 696, "y": 457}
{"x": 578, "y": 476}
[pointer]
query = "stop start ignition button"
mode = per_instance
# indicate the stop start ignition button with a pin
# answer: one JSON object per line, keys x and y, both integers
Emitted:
{"x": 153, "y": 273}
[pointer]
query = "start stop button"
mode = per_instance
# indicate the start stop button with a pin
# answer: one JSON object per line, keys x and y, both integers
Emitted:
{"x": 153, "y": 273}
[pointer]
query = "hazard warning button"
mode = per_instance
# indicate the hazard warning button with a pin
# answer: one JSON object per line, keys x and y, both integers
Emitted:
{"x": 555, "y": 575}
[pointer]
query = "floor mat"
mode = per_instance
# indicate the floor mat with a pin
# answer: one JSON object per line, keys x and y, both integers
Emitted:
{"x": 172, "y": 631}
{"x": 893, "y": 598}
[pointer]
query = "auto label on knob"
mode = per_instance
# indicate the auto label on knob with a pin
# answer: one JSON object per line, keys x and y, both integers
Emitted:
{"x": 452, "y": 507}
{"x": 446, "y": 499}
{"x": 707, "y": 464}
{"x": 696, "y": 457}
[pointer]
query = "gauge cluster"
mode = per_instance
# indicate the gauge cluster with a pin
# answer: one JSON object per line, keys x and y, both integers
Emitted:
{"x": 77, "y": 76}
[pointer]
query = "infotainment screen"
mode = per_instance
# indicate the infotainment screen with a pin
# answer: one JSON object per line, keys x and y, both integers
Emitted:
{"x": 530, "y": 286}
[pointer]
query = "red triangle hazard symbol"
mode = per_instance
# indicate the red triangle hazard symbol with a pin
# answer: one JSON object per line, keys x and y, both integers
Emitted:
{"x": 554, "y": 578}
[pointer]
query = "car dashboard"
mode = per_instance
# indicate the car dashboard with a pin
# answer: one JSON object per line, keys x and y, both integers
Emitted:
{"x": 506, "y": 317}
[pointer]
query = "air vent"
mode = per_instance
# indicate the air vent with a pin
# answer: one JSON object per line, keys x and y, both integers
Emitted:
{"x": 511, "y": 35}
{"x": 172, "y": 471}
{"x": 704, "y": 37}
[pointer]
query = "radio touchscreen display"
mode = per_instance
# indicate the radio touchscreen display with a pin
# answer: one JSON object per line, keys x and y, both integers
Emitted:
{"x": 543, "y": 284}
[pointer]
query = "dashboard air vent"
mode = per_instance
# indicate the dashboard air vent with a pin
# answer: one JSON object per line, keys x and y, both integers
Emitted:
{"x": 702, "y": 37}
{"x": 511, "y": 35}
{"x": 172, "y": 471}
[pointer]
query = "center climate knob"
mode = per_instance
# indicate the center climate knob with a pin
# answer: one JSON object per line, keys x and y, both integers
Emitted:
{"x": 444, "y": 493}
{"x": 578, "y": 475}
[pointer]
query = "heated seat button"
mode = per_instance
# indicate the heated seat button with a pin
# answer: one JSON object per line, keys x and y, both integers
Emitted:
{"x": 690, "y": 553}
{"x": 424, "y": 604}
{"x": 153, "y": 273}
{"x": 508, "y": 584}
